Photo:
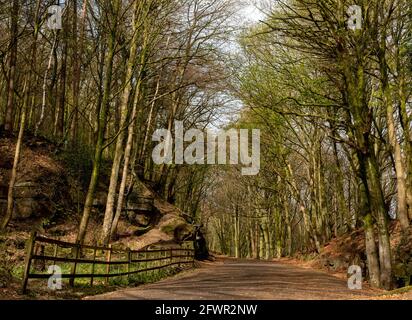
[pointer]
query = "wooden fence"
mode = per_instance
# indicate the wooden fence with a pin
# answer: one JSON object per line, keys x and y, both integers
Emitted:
{"x": 90, "y": 262}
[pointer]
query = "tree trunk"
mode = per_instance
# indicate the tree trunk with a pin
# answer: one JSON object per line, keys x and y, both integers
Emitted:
{"x": 78, "y": 49}
{"x": 402, "y": 213}
{"x": 261, "y": 243}
{"x": 379, "y": 211}
{"x": 8, "y": 121}
{"x": 102, "y": 124}
{"x": 13, "y": 177}
{"x": 236, "y": 226}
{"x": 371, "y": 252}
{"x": 118, "y": 154}
{"x": 126, "y": 164}
{"x": 288, "y": 229}
{"x": 388, "y": 103}
{"x": 46, "y": 74}
{"x": 60, "y": 115}
{"x": 342, "y": 207}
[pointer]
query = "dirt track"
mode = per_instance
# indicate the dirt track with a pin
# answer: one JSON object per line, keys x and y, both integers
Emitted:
{"x": 244, "y": 279}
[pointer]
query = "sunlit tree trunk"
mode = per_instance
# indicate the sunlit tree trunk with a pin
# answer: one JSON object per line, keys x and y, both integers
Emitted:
{"x": 102, "y": 122}
{"x": 118, "y": 154}
{"x": 388, "y": 103}
{"x": 288, "y": 228}
{"x": 126, "y": 163}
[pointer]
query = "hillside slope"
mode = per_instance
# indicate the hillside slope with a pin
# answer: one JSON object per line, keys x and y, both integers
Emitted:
{"x": 349, "y": 249}
{"x": 49, "y": 198}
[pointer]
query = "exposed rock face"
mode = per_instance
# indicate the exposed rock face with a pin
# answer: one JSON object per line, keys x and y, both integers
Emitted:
{"x": 165, "y": 223}
{"x": 100, "y": 198}
{"x": 29, "y": 201}
{"x": 176, "y": 227}
{"x": 349, "y": 249}
{"x": 344, "y": 252}
{"x": 140, "y": 210}
{"x": 43, "y": 191}
{"x": 139, "y": 219}
{"x": 146, "y": 219}
{"x": 402, "y": 267}
{"x": 184, "y": 232}
{"x": 41, "y": 187}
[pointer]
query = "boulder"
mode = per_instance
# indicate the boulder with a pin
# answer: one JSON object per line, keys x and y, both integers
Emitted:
{"x": 26, "y": 190}
{"x": 100, "y": 199}
{"x": 139, "y": 219}
{"x": 26, "y": 208}
{"x": 41, "y": 189}
{"x": 183, "y": 232}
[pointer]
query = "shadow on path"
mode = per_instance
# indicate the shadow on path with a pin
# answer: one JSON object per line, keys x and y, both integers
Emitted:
{"x": 244, "y": 280}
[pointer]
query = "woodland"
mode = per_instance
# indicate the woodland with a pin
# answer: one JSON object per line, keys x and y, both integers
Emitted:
{"x": 333, "y": 105}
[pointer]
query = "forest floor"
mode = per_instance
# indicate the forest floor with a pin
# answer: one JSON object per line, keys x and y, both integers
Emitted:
{"x": 230, "y": 279}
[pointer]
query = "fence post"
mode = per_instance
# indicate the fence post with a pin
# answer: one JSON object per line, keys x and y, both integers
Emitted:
{"x": 108, "y": 259}
{"x": 56, "y": 248}
{"x": 164, "y": 261}
{"x": 94, "y": 259}
{"x": 179, "y": 259}
{"x": 27, "y": 262}
{"x": 150, "y": 263}
{"x": 147, "y": 263}
{"x": 129, "y": 259}
{"x": 155, "y": 272}
{"x": 74, "y": 267}
{"x": 193, "y": 256}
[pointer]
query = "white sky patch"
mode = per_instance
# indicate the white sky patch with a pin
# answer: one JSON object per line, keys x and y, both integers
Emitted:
{"x": 245, "y": 17}
{"x": 251, "y": 13}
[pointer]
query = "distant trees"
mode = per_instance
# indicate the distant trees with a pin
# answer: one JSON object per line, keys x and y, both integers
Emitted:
{"x": 335, "y": 108}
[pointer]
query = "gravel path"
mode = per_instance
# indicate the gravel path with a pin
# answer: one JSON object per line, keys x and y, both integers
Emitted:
{"x": 244, "y": 279}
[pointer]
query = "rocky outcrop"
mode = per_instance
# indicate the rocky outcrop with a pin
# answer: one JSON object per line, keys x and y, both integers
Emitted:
{"x": 349, "y": 249}
{"x": 41, "y": 189}
{"x": 402, "y": 266}
{"x": 164, "y": 223}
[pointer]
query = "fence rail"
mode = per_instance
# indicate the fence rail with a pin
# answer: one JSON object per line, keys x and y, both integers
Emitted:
{"x": 98, "y": 261}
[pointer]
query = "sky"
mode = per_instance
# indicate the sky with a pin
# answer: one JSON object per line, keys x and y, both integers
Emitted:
{"x": 251, "y": 13}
